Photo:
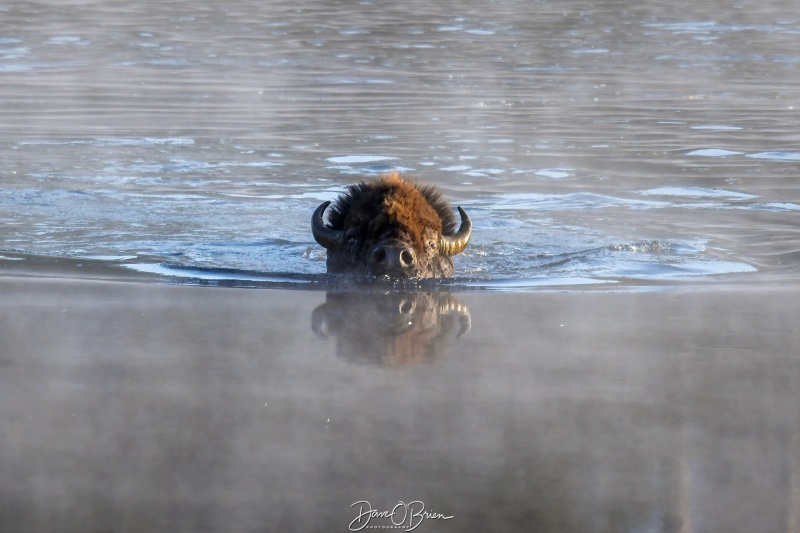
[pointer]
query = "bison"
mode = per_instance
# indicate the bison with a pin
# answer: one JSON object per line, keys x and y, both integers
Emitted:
{"x": 390, "y": 328}
{"x": 391, "y": 227}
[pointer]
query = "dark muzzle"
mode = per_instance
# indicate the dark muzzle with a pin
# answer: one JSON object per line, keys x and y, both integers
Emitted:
{"x": 392, "y": 258}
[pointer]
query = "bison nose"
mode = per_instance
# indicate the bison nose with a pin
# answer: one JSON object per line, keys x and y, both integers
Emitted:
{"x": 392, "y": 259}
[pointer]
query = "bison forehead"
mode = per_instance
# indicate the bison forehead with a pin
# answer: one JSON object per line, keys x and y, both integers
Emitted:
{"x": 391, "y": 193}
{"x": 393, "y": 207}
{"x": 411, "y": 210}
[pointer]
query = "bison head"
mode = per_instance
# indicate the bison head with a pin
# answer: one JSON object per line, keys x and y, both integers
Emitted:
{"x": 391, "y": 329}
{"x": 391, "y": 227}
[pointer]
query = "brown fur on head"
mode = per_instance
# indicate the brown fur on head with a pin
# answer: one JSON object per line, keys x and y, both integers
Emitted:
{"x": 391, "y": 226}
{"x": 395, "y": 208}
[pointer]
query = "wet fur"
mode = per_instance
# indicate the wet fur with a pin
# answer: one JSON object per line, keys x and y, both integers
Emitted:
{"x": 391, "y": 208}
{"x": 368, "y": 197}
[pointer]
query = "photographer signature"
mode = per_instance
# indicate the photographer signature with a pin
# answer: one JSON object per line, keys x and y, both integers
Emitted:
{"x": 403, "y": 515}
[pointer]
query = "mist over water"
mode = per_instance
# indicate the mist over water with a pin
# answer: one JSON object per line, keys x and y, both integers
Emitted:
{"x": 589, "y": 141}
{"x": 632, "y": 164}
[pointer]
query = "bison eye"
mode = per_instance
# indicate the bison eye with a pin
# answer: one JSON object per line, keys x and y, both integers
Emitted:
{"x": 432, "y": 245}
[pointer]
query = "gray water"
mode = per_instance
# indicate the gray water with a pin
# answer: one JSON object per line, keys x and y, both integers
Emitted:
{"x": 142, "y": 407}
{"x": 591, "y": 142}
{"x": 595, "y": 145}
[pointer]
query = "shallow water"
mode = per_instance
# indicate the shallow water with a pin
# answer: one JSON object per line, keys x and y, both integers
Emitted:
{"x": 591, "y": 142}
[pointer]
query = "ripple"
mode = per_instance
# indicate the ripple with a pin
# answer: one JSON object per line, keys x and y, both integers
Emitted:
{"x": 359, "y": 81}
{"x": 210, "y": 274}
{"x": 579, "y": 200}
{"x": 677, "y": 271}
{"x": 117, "y": 141}
{"x": 357, "y": 159}
{"x": 554, "y": 173}
{"x": 66, "y": 39}
{"x": 716, "y": 127}
{"x": 777, "y": 156}
{"x": 696, "y": 192}
{"x": 714, "y": 152}
{"x": 776, "y": 206}
{"x": 684, "y": 27}
{"x": 533, "y": 283}
{"x": 705, "y": 27}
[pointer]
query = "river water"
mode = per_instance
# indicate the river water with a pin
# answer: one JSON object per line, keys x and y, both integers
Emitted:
{"x": 598, "y": 142}
{"x": 617, "y": 352}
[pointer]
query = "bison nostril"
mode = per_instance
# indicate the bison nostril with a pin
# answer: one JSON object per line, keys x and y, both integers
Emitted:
{"x": 379, "y": 255}
{"x": 393, "y": 259}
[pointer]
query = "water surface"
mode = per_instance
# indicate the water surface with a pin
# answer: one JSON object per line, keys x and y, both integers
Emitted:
{"x": 632, "y": 166}
{"x": 145, "y": 407}
{"x": 590, "y": 141}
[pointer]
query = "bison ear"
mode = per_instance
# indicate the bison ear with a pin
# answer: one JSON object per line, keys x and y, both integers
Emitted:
{"x": 454, "y": 244}
{"x": 325, "y": 236}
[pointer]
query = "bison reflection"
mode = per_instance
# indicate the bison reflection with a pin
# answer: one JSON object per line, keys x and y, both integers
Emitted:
{"x": 391, "y": 329}
{"x": 391, "y": 227}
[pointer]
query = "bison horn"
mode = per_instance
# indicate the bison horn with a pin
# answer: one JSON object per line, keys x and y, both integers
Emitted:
{"x": 325, "y": 236}
{"x": 455, "y": 244}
